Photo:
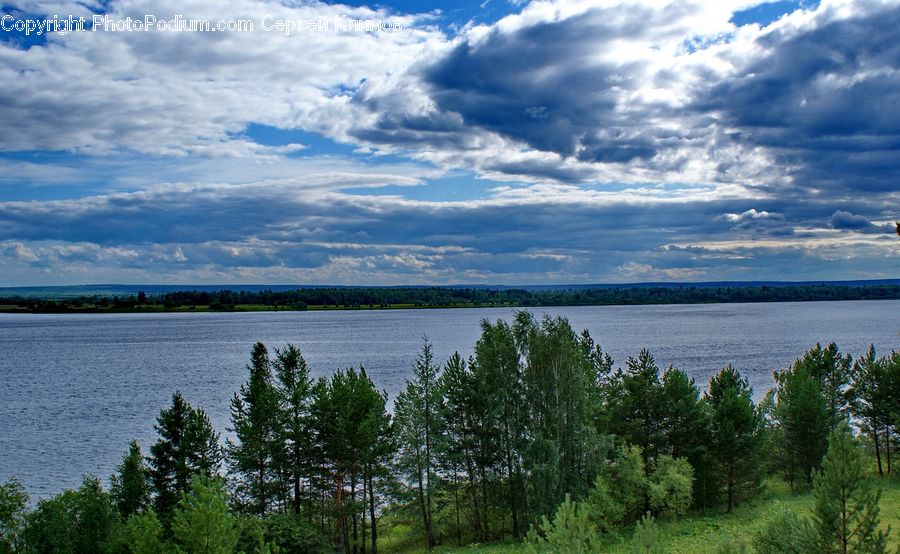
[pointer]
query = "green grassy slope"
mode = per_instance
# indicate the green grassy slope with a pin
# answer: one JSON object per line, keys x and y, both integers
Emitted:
{"x": 700, "y": 533}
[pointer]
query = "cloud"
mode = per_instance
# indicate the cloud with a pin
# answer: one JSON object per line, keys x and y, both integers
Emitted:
{"x": 851, "y": 222}
{"x": 648, "y": 142}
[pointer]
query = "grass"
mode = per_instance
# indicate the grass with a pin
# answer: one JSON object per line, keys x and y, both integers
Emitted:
{"x": 697, "y": 533}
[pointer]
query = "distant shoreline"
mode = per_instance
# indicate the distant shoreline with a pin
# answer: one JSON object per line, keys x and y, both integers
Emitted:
{"x": 396, "y": 298}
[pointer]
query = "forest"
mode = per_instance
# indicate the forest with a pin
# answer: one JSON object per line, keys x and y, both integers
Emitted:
{"x": 537, "y": 442}
{"x": 447, "y": 297}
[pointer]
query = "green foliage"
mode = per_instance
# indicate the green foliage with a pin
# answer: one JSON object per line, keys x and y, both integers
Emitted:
{"x": 130, "y": 485}
{"x": 636, "y": 406}
{"x": 255, "y": 418}
{"x": 784, "y": 534}
{"x": 281, "y": 532}
{"x": 736, "y": 434}
{"x": 554, "y": 429}
{"x": 872, "y": 398}
{"x": 13, "y": 501}
{"x": 143, "y": 534}
{"x": 732, "y": 546}
{"x": 352, "y": 440}
{"x": 846, "y": 512}
{"x": 670, "y": 486}
{"x": 202, "y": 523}
{"x": 623, "y": 489}
{"x": 187, "y": 445}
{"x": 569, "y": 532}
{"x": 418, "y": 431}
{"x": 647, "y": 538}
{"x": 802, "y": 420}
{"x": 620, "y": 492}
{"x": 295, "y": 453}
{"x": 517, "y": 435}
{"x": 832, "y": 371}
{"x": 79, "y": 521}
{"x": 383, "y": 297}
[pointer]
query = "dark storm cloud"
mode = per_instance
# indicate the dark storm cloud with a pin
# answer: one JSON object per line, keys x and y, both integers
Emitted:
{"x": 824, "y": 100}
{"x": 540, "y": 85}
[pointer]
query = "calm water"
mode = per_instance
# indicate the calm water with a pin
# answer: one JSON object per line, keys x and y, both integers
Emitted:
{"x": 76, "y": 388}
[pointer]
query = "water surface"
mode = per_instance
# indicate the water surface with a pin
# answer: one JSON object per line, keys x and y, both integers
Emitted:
{"x": 77, "y": 387}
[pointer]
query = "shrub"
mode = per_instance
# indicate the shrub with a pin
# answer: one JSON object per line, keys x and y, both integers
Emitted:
{"x": 570, "y": 532}
{"x": 647, "y": 538}
{"x": 670, "y": 486}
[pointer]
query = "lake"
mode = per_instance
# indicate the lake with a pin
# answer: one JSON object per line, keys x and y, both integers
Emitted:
{"x": 77, "y": 387}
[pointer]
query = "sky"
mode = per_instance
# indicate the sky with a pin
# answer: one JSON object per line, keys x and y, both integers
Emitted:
{"x": 424, "y": 142}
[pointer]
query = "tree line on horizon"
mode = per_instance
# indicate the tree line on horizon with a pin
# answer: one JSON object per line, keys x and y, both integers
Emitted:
{"x": 534, "y": 435}
{"x": 431, "y": 297}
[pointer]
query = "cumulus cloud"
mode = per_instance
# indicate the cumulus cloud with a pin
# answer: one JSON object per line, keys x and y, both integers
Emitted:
{"x": 639, "y": 141}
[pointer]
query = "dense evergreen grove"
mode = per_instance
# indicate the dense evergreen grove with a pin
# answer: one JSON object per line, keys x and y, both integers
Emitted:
{"x": 535, "y": 437}
{"x": 434, "y": 297}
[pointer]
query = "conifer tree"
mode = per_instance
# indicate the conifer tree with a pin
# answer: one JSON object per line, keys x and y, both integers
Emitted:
{"x": 803, "y": 419}
{"x": 457, "y": 458}
{"x": 846, "y": 513}
{"x": 686, "y": 432}
{"x": 130, "y": 485}
{"x": 636, "y": 406}
{"x": 202, "y": 523}
{"x": 187, "y": 445}
{"x": 832, "y": 371}
{"x": 869, "y": 398}
{"x": 736, "y": 434}
{"x": 255, "y": 422}
{"x": 294, "y": 388}
{"x": 418, "y": 431}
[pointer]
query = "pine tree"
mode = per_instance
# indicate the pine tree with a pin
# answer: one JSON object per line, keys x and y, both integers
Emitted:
{"x": 352, "y": 440}
{"x": 457, "y": 458}
{"x": 686, "y": 432}
{"x": 143, "y": 534}
{"x": 255, "y": 422}
{"x": 187, "y": 445}
{"x": 736, "y": 434}
{"x": 570, "y": 531}
{"x": 294, "y": 388}
{"x": 869, "y": 398}
{"x": 832, "y": 370}
{"x": 846, "y": 513}
{"x": 375, "y": 444}
{"x": 418, "y": 430}
{"x": 130, "y": 485}
{"x": 202, "y": 523}
{"x": 802, "y": 422}
{"x": 636, "y": 406}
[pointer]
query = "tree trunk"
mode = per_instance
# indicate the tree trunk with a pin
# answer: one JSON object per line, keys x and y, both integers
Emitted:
{"x": 512, "y": 486}
{"x": 362, "y": 529}
{"x": 372, "y": 515}
{"x": 296, "y": 471}
{"x": 456, "y": 503}
{"x": 877, "y": 447}
{"x": 355, "y": 514}
{"x": 262, "y": 489}
{"x": 888, "y": 438}
{"x": 426, "y": 517}
{"x": 341, "y": 543}
{"x": 730, "y": 490}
